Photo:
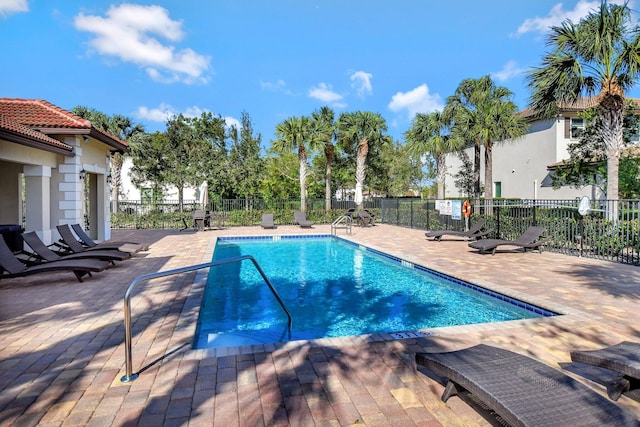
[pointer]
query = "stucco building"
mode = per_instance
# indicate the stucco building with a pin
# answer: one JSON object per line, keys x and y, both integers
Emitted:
{"x": 522, "y": 167}
{"x": 54, "y": 169}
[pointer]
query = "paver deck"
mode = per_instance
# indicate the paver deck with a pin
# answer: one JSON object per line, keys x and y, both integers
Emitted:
{"x": 62, "y": 351}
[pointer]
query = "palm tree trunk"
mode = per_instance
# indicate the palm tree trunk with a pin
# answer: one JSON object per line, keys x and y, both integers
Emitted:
{"x": 441, "y": 172}
{"x": 476, "y": 170}
{"x": 612, "y": 127}
{"x": 302, "y": 156}
{"x": 488, "y": 170}
{"x": 361, "y": 159}
{"x": 327, "y": 187}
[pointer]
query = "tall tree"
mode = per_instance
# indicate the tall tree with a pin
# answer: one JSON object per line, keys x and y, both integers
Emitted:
{"x": 429, "y": 135}
{"x": 148, "y": 153}
{"x": 484, "y": 113}
{"x": 599, "y": 56}
{"x": 357, "y": 132}
{"x": 245, "y": 163}
{"x": 294, "y": 134}
{"x": 324, "y": 129}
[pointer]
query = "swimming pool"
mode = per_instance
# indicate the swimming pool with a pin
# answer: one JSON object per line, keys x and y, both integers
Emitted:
{"x": 334, "y": 288}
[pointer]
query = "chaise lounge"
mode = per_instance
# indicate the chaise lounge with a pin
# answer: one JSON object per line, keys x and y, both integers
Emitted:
{"x": 301, "y": 219}
{"x": 44, "y": 254}
{"x": 11, "y": 266}
{"x": 530, "y": 239}
{"x": 69, "y": 244}
{"x": 87, "y": 241}
{"x": 267, "y": 221}
{"x": 521, "y": 390}
{"x": 475, "y": 232}
{"x": 622, "y": 358}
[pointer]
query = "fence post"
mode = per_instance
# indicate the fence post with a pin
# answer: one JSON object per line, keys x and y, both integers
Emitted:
{"x": 411, "y": 213}
{"x": 497, "y": 215}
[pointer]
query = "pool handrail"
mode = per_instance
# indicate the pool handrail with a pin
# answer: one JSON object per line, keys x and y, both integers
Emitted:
{"x": 130, "y": 376}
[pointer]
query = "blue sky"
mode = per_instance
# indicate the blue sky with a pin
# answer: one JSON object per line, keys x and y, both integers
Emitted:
{"x": 274, "y": 59}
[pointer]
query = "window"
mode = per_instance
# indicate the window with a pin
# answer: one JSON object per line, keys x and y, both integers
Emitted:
{"x": 577, "y": 127}
{"x": 497, "y": 189}
{"x": 634, "y": 135}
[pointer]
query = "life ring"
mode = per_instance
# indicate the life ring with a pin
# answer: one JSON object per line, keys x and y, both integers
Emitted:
{"x": 466, "y": 209}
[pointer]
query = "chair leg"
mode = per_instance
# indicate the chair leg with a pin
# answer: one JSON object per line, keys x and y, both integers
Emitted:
{"x": 450, "y": 390}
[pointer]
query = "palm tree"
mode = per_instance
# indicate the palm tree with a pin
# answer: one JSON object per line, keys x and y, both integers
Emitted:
{"x": 360, "y": 130}
{"x": 429, "y": 135}
{"x": 484, "y": 113}
{"x": 295, "y": 134}
{"x": 599, "y": 56}
{"x": 324, "y": 129}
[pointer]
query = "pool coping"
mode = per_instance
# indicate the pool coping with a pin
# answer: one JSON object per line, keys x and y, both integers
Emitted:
{"x": 189, "y": 316}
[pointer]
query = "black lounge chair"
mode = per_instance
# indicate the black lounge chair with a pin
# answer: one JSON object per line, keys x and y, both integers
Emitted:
{"x": 301, "y": 219}
{"x": 11, "y": 266}
{"x": 267, "y": 221}
{"x": 475, "y": 232}
{"x": 622, "y": 358}
{"x": 87, "y": 241}
{"x": 42, "y": 252}
{"x": 365, "y": 218}
{"x": 521, "y": 390}
{"x": 530, "y": 239}
{"x": 69, "y": 244}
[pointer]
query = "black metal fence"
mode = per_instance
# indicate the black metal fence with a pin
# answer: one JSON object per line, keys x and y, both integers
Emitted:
{"x": 227, "y": 212}
{"x": 592, "y": 235}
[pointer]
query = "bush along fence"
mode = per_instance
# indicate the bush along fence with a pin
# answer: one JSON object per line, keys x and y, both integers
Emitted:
{"x": 228, "y": 212}
{"x": 592, "y": 235}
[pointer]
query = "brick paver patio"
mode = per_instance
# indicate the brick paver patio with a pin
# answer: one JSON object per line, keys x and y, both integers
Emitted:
{"x": 62, "y": 351}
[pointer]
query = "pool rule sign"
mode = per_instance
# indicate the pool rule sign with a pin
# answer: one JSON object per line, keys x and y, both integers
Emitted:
{"x": 452, "y": 208}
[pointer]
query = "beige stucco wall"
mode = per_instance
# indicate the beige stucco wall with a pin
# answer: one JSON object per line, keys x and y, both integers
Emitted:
{"x": 521, "y": 165}
{"x": 10, "y": 205}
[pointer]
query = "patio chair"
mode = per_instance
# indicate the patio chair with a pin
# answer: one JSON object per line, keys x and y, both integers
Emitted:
{"x": 521, "y": 390}
{"x": 530, "y": 239}
{"x": 10, "y": 266}
{"x": 301, "y": 219}
{"x": 43, "y": 253}
{"x": 200, "y": 219}
{"x": 69, "y": 244}
{"x": 86, "y": 240}
{"x": 365, "y": 219}
{"x": 622, "y": 358}
{"x": 267, "y": 221}
{"x": 476, "y": 232}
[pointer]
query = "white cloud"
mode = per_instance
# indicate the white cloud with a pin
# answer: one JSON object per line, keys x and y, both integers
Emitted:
{"x": 417, "y": 100}
{"x": 361, "y": 82}
{"x": 277, "y": 86}
{"x": 231, "y": 121}
{"x": 131, "y": 33}
{"x": 165, "y": 111}
{"x": 509, "y": 71}
{"x": 324, "y": 92}
{"x": 8, "y": 7}
{"x": 557, "y": 15}
{"x": 160, "y": 114}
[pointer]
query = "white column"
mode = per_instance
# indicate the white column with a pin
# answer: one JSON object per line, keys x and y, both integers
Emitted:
{"x": 38, "y": 199}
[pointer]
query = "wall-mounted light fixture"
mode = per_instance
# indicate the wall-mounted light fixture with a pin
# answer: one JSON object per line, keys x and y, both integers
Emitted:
{"x": 109, "y": 179}
{"x": 85, "y": 138}
{"x": 83, "y": 174}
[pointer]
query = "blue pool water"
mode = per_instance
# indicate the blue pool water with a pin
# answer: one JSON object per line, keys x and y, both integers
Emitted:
{"x": 334, "y": 288}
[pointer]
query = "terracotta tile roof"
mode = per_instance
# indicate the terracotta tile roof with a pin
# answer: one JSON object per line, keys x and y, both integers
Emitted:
{"x": 13, "y": 131}
{"x": 36, "y": 113}
{"x": 43, "y": 116}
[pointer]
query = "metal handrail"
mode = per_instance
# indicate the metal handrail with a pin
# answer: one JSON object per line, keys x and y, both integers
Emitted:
{"x": 130, "y": 376}
{"x": 347, "y": 218}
